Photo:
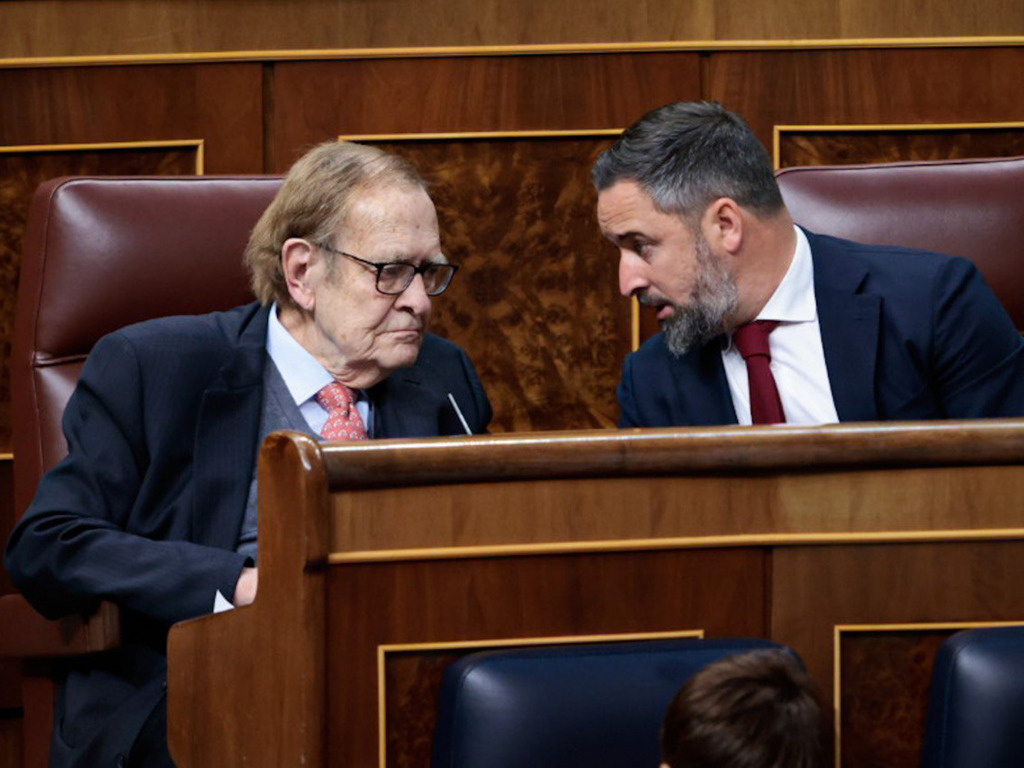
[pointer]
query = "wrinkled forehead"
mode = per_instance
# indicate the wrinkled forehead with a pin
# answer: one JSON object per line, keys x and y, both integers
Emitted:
{"x": 398, "y": 218}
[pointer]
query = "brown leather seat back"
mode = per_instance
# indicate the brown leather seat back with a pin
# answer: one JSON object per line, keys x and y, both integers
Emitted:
{"x": 102, "y": 253}
{"x": 972, "y": 208}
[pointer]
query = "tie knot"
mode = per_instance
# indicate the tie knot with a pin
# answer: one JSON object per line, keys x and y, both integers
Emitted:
{"x": 751, "y": 339}
{"x": 335, "y": 397}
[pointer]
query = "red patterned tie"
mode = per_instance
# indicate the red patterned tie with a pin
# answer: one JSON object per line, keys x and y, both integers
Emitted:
{"x": 752, "y": 342}
{"x": 343, "y": 420}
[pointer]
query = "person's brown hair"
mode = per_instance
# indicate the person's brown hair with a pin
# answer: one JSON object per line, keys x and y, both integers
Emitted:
{"x": 313, "y": 203}
{"x": 753, "y": 710}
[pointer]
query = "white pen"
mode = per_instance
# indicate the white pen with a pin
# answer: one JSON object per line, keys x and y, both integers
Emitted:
{"x": 458, "y": 413}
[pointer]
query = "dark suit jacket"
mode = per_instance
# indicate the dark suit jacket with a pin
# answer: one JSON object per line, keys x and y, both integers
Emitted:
{"x": 907, "y": 335}
{"x": 147, "y": 507}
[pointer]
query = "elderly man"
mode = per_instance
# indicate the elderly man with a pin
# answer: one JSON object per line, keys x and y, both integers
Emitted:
{"x": 154, "y": 507}
{"x": 763, "y": 322}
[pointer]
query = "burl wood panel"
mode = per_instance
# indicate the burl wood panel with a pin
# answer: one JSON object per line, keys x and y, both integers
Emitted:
{"x": 535, "y": 302}
{"x": 809, "y": 147}
{"x": 20, "y": 174}
{"x": 816, "y": 588}
{"x": 869, "y": 86}
{"x": 317, "y": 101}
{"x": 721, "y": 592}
{"x": 884, "y": 678}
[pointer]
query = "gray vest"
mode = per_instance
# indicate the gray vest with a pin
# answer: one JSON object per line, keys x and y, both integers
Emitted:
{"x": 279, "y": 412}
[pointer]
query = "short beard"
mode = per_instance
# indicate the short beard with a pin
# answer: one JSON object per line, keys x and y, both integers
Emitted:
{"x": 715, "y": 297}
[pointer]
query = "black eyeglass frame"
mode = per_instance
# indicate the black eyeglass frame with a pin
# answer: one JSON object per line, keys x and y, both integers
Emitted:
{"x": 420, "y": 270}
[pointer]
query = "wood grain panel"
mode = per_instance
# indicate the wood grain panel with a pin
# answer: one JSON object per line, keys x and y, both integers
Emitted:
{"x": 817, "y": 588}
{"x": 318, "y": 101}
{"x": 885, "y": 679}
{"x": 515, "y": 598}
{"x": 38, "y": 27}
{"x": 535, "y": 302}
{"x": 218, "y": 103}
{"x": 868, "y": 86}
{"x": 807, "y": 146}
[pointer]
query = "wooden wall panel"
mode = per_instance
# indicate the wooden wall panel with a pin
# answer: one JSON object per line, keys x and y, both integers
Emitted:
{"x": 807, "y": 146}
{"x": 318, "y": 101}
{"x": 91, "y": 27}
{"x": 871, "y": 87}
{"x": 508, "y": 598}
{"x": 535, "y": 302}
{"x": 218, "y": 103}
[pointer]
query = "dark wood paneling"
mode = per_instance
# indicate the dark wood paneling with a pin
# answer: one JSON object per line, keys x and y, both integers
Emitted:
{"x": 318, "y": 101}
{"x": 39, "y": 27}
{"x": 515, "y": 598}
{"x": 883, "y": 86}
{"x": 810, "y": 147}
{"x": 818, "y": 588}
{"x": 219, "y": 103}
{"x": 535, "y": 302}
{"x": 884, "y": 680}
{"x": 10, "y": 740}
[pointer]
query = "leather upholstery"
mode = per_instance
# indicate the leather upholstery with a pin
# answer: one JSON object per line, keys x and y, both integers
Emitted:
{"x": 976, "y": 703}
{"x": 971, "y": 208}
{"x": 102, "y": 253}
{"x": 577, "y": 706}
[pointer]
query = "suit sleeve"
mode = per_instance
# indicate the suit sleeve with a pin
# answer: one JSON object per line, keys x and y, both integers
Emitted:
{"x": 87, "y": 536}
{"x": 978, "y": 354}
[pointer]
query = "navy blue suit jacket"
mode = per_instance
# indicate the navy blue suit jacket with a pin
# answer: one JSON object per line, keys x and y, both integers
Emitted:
{"x": 907, "y": 335}
{"x": 147, "y": 507}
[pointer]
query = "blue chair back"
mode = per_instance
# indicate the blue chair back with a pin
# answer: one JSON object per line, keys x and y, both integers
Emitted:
{"x": 577, "y": 706}
{"x": 976, "y": 703}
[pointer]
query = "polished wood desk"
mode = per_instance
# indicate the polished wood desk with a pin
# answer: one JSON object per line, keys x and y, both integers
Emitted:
{"x": 861, "y": 546}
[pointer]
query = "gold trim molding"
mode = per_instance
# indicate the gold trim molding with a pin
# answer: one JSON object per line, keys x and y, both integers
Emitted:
{"x": 506, "y": 642}
{"x": 693, "y": 542}
{"x": 839, "y": 629}
{"x": 666, "y": 46}
{"x": 199, "y": 145}
{"x": 778, "y": 130}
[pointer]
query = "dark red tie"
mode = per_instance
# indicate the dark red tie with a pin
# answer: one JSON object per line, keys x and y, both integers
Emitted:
{"x": 752, "y": 342}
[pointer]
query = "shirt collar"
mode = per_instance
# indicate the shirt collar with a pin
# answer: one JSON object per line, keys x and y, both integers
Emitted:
{"x": 793, "y": 301}
{"x": 302, "y": 373}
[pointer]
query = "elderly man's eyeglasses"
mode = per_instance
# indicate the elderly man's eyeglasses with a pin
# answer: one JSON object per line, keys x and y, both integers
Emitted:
{"x": 393, "y": 277}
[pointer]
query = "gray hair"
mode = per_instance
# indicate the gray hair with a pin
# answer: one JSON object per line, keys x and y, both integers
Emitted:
{"x": 687, "y": 155}
{"x": 314, "y": 202}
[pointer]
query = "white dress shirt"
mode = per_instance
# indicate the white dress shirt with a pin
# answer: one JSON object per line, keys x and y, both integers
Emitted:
{"x": 798, "y": 357}
{"x": 305, "y": 376}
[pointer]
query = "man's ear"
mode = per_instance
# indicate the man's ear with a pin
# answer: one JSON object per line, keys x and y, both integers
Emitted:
{"x": 723, "y": 225}
{"x": 297, "y": 259}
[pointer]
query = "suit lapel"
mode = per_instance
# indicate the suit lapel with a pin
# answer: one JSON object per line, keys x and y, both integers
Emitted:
{"x": 702, "y": 388}
{"x": 226, "y": 437}
{"x": 849, "y": 322}
{"x": 404, "y": 407}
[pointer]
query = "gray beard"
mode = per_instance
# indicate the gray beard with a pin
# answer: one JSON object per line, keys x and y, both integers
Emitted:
{"x": 715, "y": 297}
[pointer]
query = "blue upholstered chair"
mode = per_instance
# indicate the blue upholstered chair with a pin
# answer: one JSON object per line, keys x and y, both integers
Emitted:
{"x": 574, "y": 706}
{"x": 976, "y": 704}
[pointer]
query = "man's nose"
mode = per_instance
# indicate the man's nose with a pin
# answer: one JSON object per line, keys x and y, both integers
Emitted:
{"x": 415, "y": 297}
{"x": 632, "y": 274}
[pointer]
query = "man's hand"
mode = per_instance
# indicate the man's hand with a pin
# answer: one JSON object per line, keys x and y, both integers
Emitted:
{"x": 245, "y": 589}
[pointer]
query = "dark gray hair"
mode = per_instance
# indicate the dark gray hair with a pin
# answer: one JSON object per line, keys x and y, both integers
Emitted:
{"x": 687, "y": 155}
